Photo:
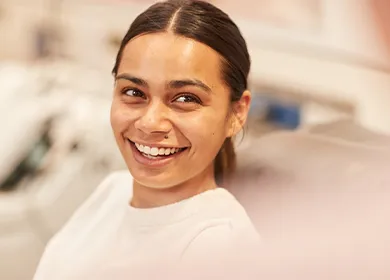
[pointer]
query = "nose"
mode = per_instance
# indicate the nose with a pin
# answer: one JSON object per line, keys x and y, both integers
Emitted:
{"x": 154, "y": 119}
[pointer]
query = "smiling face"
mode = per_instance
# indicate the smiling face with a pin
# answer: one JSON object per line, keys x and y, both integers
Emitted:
{"x": 171, "y": 110}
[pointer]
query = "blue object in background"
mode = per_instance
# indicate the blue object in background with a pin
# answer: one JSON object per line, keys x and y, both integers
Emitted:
{"x": 285, "y": 115}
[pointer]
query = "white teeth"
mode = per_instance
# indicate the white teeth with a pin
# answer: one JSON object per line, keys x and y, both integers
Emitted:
{"x": 146, "y": 150}
{"x": 154, "y": 151}
{"x": 139, "y": 147}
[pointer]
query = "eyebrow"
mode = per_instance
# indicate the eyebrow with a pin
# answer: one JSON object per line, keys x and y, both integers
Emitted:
{"x": 132, "y": 79}
{"x": 176, "y": 84}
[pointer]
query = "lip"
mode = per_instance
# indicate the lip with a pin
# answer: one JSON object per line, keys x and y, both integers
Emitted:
{"x": 155, "y": 162}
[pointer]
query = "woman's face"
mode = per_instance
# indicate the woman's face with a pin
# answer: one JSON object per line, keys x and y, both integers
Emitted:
{"x": 171, "y": 111}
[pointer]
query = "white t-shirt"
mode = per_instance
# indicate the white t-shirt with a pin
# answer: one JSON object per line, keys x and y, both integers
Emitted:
{"x": 108, "y": 239}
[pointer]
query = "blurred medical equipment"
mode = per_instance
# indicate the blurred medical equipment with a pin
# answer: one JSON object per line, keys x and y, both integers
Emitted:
{"x": 56, "y": 146}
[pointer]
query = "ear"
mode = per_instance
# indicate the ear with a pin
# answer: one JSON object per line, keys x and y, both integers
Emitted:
{"x": 239, "y": 114}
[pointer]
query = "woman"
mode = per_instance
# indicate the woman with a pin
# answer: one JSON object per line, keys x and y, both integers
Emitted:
{"x": 180, "y": 96}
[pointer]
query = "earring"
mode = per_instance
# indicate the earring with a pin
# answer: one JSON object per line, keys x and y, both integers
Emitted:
{"x": 166, "y": 136}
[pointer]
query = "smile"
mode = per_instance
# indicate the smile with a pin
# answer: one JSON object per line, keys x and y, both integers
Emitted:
{"x": 155, "y": 151}
{"x": 154, "y": 156}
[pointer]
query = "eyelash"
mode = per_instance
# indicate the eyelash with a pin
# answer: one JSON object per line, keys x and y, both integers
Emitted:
{"x": 194, "y": 99}
{"x": 125, "y": 90}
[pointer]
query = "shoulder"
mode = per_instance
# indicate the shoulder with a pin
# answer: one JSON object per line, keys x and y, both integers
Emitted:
{"x": 218, "y": 244}
{"x": 226, "y": 228}
{"x": 225, "y": 232}
{"x": 116, "y": 186}
{"x": 229, "y": 212}
{"x": 110, "y": 193}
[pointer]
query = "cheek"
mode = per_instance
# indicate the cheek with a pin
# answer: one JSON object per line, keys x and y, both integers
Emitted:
{"x": 119, "y": 117}
{"x": 205, "y": 132}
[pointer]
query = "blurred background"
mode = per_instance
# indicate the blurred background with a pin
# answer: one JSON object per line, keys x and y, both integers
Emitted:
{"x": 320, "y": 68}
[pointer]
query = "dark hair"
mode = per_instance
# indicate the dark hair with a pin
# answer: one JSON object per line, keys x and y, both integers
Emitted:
{"x": 205, "y": 23}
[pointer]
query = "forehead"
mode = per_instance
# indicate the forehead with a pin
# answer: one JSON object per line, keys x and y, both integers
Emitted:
{"x": 168, "y": 56}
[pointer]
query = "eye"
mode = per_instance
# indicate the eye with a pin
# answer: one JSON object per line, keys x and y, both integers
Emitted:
{"x": 133, "y": 92}
{"x": 188, "y": 98}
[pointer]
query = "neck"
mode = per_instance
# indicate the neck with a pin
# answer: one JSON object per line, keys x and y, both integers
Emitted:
{"x": 145, "y": 197}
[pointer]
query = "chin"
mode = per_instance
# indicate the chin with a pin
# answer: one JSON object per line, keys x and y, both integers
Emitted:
{"x": 155, "y": 182}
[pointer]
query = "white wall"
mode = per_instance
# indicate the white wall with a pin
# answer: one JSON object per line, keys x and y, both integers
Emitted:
{"x": 304, "y": 61}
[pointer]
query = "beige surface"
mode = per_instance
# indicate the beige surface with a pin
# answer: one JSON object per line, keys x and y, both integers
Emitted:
{"x": 351, "y": 131}
{"x": 320, "y": 203}
{"x": 279, "y": 169}
{"x": 308, "y": 160}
